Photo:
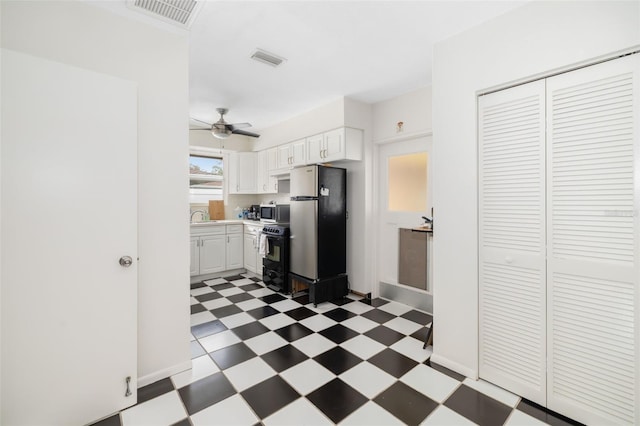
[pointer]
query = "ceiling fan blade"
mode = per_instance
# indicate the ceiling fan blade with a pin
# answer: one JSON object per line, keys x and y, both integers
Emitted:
{"x": 200, "y": 121}
{"x": 244, "y": 133}
{"x": 234, "y": 126}
{"x": 208, "y": 129}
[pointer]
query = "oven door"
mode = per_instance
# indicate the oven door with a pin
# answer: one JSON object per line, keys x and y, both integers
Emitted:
{"x": 274, "y": 258}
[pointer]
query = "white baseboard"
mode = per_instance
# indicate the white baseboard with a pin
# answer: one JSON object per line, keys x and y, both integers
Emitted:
{"x": 452, "y": 365}
{"x": 163, "y": 374}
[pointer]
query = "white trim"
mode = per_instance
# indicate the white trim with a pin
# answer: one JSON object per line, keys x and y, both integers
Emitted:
{"x": 163, "y": 374}
{"x": 454, "y": 366}
{"x": 404, "y": 137}
{"x": 560, "y": 70}
{"x": 206, "y": 151}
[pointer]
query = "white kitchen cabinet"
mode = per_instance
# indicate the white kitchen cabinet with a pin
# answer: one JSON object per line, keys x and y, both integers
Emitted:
{"x": 242, "y": 173}
{"x": 216, "y": 248}
{"x": 267, "y": 163}
{"x": 208, "y": 246}
{"x": 194, "y": 245}
{"x": 212, "y": 254}
{"x": 252, "y": 257}
{"x": 234, "y": 252}
{"x": 344, "y": 143}
{"x": 292, "y": 154}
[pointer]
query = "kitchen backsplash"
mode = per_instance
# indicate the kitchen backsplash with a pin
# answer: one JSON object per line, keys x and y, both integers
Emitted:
{"x": 243, "y": 200}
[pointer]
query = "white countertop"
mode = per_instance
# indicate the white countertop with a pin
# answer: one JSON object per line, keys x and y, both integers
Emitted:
{"x": 225, "y": 222}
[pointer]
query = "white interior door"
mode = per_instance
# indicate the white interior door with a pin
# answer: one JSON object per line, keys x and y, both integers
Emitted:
{"x": 593, "y": 271}
{"x": 390, "y": 218}
{"x": 511, "y": 198}
{"x": 69, "y": 194}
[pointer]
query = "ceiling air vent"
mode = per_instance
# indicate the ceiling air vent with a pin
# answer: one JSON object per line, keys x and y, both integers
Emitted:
{"x": 267, "y": 58}
{"x": 179, "y": 12}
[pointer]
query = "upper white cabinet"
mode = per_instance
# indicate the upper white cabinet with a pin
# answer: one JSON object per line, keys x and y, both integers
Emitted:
{"x": 267, "y": 162}
{"x": 292, "y": 154}
{"x": 255, "y": 172}
{"x": 242, "y": 173}
{"x": 340, "y": 144}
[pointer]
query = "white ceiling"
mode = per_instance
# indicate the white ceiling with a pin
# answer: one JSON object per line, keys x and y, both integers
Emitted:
{"x": 366, "y": 50}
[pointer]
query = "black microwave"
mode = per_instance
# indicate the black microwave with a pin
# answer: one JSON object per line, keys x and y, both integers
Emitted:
{"x": 274, "y": 213}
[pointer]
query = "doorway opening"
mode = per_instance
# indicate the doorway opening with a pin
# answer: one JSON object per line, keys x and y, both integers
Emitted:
{"x": 405, "y": 197}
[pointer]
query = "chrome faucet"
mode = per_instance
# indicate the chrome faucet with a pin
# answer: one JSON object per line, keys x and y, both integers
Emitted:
{"x": 202, "y": 212}
{"x": 428, "y": 222}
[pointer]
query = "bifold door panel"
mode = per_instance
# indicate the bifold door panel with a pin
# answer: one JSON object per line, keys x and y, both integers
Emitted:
{"x": 512, "y": 233}
{"x": 592, "y": 258}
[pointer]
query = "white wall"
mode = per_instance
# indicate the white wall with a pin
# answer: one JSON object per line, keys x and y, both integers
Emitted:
{"x": 360, "y": 241}
{"x": 308, "y": 123}
{"x": 232, "y": 143}
{"x": 86, "y": 36}
{"x": 529, "y": 41}
{"x": 1, "y": 232}
{"x": 413, "y": 109}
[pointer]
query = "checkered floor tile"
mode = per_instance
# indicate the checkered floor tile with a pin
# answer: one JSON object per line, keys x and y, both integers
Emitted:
{"x": 260, "y": 357}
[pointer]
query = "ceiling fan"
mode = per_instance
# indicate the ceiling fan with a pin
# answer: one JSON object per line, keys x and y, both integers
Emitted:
{"x": 222, "y": 130}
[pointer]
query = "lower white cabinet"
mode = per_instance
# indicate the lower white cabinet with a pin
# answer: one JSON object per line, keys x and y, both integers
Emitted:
{"x": 216, "y": 248}
{"x": 212, "y": 259}
{"x": 252, "y": 257}
{"x": 234, "y": 253}
{"x": 194, "y": 269}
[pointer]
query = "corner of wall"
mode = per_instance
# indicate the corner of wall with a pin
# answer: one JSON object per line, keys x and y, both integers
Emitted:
{"x": 1, "y": 233}
{"x": 556, "y": 35}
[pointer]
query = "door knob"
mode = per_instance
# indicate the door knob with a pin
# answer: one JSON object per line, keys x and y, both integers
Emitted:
{"x": 126, "y": 261}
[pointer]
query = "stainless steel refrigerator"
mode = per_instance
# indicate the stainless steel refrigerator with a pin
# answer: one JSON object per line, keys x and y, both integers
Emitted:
{"x": 318, "y": 222}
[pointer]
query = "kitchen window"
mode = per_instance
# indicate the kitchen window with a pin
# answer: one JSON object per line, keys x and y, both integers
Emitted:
{"x": 206, "y": 178}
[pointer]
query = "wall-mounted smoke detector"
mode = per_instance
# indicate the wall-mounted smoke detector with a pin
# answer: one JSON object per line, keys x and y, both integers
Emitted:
{"x": 178, "y": 12}
{"x": 267, "y": 58}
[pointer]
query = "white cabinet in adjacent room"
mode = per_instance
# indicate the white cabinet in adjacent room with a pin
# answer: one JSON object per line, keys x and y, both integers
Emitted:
{"x": 216, "y": 248}
{"x": 212, "y": 254}
{"x": 194, "y": 268}
{"x": 252, "y": 257}
{"x": 250, "y": 252}
{"x": 242, "y": 173}
{"x": 207, "y": 250}
{"x": 344, "y": 143}
{"x": 267, "y": 183}
{"x": 292, "y": 154}
{"x": 234, "y": 252}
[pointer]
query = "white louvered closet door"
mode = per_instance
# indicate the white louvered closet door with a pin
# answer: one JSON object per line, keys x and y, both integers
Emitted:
{"x": 593, "y": 231}
{"x": 512, "y": 272}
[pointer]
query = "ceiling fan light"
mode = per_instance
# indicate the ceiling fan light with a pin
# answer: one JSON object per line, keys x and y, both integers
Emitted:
{"x": 220, "y": 134}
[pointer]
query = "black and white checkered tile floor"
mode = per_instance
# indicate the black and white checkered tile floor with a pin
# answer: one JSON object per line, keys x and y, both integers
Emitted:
{"x": 263, "y": 358}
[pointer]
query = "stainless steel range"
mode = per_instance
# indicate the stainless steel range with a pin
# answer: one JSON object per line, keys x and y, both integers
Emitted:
{"x": 275, "y": 264}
